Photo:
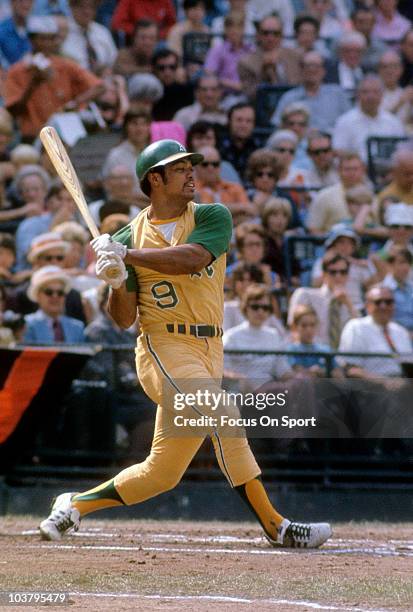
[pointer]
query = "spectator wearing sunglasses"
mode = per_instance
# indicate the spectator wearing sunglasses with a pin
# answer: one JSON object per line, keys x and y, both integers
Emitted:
{"x": 296, "y": 117}
{"x": 48, "y": 325}
{"x": 362, "y": 272}
{"x": 210, "y": 187}
{"x": 377, "y": 333}
{"x": 324, "y": 172}
{"x": 204, "y": 134}
{"x": 255, "y": 333}
{"x": 284, "y": 143}
{"x": 176, "y": 94}
{"x": 271, "y": 63}
{"x": 45, "y": 250}
{"x": 331, "y": 301}
{"x": 243, "y": 276}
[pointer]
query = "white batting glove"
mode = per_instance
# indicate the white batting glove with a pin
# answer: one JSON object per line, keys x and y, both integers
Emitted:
{"x": 111, "y": 269}
{"x": 105, "y": 244}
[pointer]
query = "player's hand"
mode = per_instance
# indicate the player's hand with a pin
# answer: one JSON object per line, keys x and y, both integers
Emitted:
{"x": 104, "y": 244}
{"x": 111, "y": 269}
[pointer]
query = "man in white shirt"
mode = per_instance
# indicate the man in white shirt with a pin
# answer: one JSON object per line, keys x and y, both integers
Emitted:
{"x": 380, "y": 399}
{"x": 87, "y": 42}
{"x": 375, "y": 333}
{"x": 366, "y": 119}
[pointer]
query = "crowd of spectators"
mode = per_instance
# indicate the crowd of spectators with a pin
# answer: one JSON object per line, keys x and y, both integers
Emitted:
{"x": 322, "y": 250}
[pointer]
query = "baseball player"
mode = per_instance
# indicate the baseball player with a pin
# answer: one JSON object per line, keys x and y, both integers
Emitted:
{"x": 169, "y": 264}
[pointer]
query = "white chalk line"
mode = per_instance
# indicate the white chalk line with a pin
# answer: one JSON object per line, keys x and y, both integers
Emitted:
{"x": 219, "y": 539}
{"x": 337, "y": 546}
{"x": 228, "y": 551}
{"x": 228, "y": 599}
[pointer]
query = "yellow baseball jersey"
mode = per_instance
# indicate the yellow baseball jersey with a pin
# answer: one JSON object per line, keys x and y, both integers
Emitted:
{"x": 184, "y": 298}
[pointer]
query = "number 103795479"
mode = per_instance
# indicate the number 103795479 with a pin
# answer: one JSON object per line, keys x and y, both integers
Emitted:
{"x": 21, "y": 598}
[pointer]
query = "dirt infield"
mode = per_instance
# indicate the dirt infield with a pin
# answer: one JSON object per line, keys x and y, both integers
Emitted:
{"x": 148, "y": 565}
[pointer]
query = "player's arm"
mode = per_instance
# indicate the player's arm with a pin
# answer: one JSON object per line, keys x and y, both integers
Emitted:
{"x": 122, "y": 306}
{"x": 181, "y": 259}
{"x": 208, "y": 240}
{"x": 123, "y": 302}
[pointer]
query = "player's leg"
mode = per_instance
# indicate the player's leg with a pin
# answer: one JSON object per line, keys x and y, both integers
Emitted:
{"x": 238, "y": 464}
{"x": 160, "y": 472}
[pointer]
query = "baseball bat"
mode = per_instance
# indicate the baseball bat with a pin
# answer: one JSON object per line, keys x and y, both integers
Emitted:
{"x": 64, "y": 168}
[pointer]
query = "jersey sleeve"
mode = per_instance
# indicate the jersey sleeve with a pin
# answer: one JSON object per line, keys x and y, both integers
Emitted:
{"x": 124, "y": 236}
{"x": 213, "y": 228}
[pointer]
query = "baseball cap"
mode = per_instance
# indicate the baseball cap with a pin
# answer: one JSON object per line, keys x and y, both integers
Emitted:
{"x": 42, "y": 25}
{"x": 338, "y": 231}
{"x": 161, "y": 153}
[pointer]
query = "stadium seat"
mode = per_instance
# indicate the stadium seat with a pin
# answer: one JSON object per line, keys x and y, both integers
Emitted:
{"x": 379, "y": 152}
{"x": 195, "y": 47}
{"x": 266, "y": 102}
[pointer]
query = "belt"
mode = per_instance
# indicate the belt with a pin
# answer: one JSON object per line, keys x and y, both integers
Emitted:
{"x": 199, "y": 331}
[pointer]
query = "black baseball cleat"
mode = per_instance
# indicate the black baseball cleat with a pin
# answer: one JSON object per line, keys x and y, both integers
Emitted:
{"x": 301, "y": 535}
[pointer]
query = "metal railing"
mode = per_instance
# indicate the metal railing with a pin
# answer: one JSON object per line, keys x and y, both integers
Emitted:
{"x": 88, "y": 424}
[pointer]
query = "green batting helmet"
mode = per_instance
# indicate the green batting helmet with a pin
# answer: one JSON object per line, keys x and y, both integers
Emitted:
{"x": 161, "y": 153}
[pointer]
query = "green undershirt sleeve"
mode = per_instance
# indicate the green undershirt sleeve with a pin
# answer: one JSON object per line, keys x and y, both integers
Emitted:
{"x": 213, "y": 228}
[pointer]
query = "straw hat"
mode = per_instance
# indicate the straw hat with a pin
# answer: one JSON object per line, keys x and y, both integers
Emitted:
{"x": 46, "y": 242}
{"x": 46, "y": 275}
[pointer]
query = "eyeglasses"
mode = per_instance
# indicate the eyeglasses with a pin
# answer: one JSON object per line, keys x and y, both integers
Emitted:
{"x": 319, "y": 151}
{"x": 53, "y": 292}
{"x": 298, "y": 122}
{"x": 262, "y": 173}
{"x": 383, "y": 302}
{"x": 53, "y": 257}
{"x": 390, "y": 65}
{"x": 312, "y": 65}
{"x": 405, "y": 227}
{"x": 256, "y": 243}
{"x": 214, "y": 164}
{"x": 256, "y": 307}
{"x": 271, "y": 32}
{"x": 163, "y": 67}
{"x": 341, "y": 272}
{"x": 285, "y": 150}
{"x": 205, "y": 88}
{"x": 105, "y": 106}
